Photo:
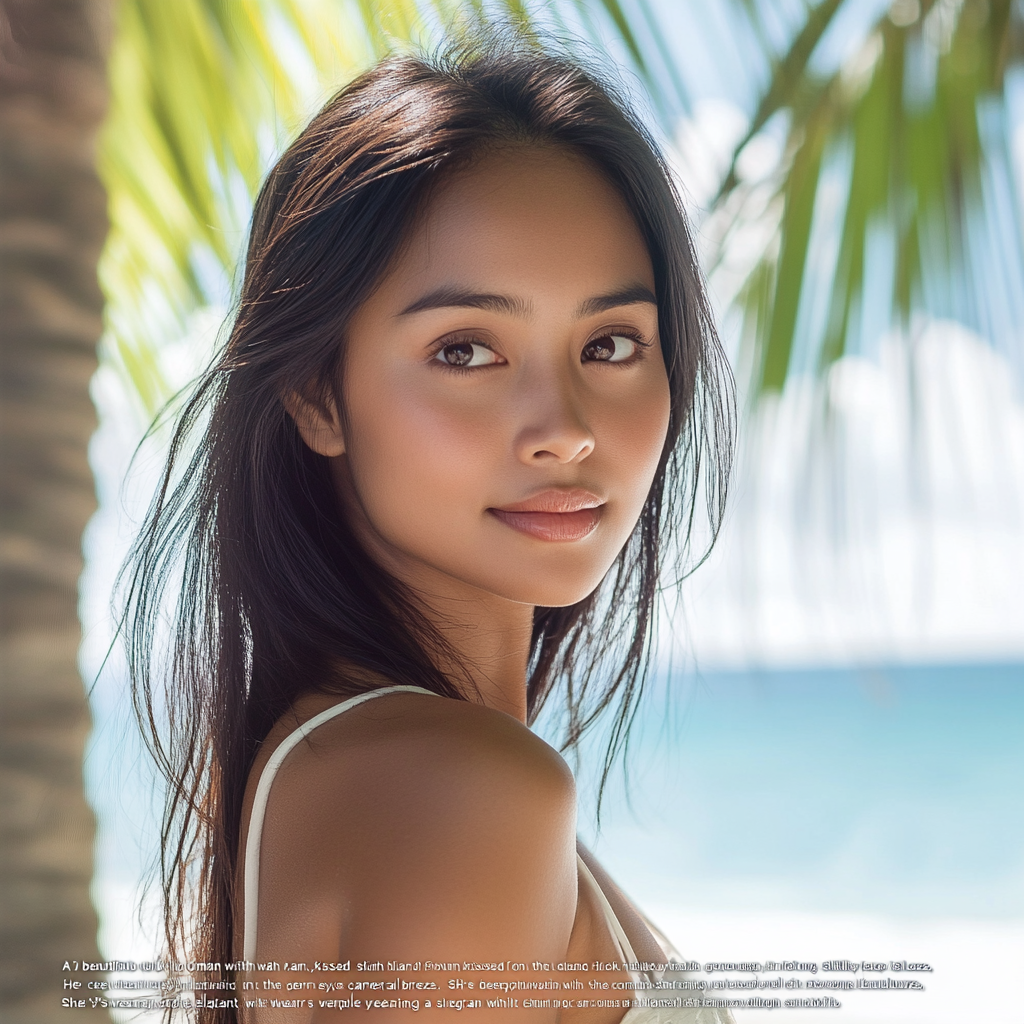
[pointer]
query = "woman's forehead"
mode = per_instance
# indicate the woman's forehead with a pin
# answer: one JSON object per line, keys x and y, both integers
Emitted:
{"x": 523, "y": 221}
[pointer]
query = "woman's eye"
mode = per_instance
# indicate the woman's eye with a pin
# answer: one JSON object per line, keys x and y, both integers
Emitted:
{"x": 466, "y": 354}
{"x": 613, "y": 348}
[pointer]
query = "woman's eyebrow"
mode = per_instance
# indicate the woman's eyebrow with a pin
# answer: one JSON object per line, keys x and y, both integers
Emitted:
{"x": 629, "y": 296}
{"x": 448, "y": 297}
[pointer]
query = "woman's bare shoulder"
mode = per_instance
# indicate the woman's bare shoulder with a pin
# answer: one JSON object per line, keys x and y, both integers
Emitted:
{"x": 409, "y": 815}
{"x": 401, "y": 751}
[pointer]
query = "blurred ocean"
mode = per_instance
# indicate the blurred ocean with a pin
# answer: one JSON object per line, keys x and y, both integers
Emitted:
{"x": 817, "y": 815}
{"x": 812, "y": 815}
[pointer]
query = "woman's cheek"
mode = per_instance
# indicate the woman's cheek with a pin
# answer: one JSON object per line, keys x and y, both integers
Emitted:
{"x": 655, "y": 418}
{"x": 424, "y": 467}
{"x": 633, "y": 439}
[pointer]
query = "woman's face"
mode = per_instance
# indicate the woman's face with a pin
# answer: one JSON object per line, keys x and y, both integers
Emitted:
{"x": 505, "y": 393}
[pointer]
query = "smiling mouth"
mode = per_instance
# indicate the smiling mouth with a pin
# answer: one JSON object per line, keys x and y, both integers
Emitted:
{"x": 553, "y": 515}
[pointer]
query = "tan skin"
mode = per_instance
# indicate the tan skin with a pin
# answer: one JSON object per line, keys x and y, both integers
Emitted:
{"x": 417, "y": 827}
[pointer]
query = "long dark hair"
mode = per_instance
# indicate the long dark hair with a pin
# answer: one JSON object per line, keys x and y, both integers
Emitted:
{"x": 273, "y": 595}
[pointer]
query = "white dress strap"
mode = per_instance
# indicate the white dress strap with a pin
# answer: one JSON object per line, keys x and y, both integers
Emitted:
{"x": 259, "y": 804}
{"x": 625, "y": 947}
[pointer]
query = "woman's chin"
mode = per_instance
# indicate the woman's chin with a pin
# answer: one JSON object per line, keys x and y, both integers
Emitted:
{"x": 558, "y": 590}
{"x": 550, "y": 575}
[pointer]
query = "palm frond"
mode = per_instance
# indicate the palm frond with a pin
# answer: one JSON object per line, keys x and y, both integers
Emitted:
{"x": 903, "y": 118}
{"x": 197, "y": 90}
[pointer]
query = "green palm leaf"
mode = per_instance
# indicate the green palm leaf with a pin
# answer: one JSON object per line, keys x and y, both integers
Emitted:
{"x": 904, "y": 116}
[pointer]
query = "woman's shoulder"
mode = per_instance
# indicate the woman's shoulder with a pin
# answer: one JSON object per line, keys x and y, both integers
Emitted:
{"x": 396, "y": 823}
{"x": 407, "y": 748}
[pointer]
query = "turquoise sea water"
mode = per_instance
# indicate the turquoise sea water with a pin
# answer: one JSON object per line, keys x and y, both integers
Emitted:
{"x": 891, "y": 791}
{"x": 896, "y": 791}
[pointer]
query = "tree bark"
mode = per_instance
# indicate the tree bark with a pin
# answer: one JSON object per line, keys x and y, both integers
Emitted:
{"x": 52, "y": 226}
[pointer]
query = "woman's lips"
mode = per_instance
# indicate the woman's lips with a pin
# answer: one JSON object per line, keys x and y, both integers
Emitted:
{"x": 553, "y": 515}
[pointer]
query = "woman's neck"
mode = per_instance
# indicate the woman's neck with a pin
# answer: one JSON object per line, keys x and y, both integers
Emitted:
{"x": 487, "y": 636}
{"x": 488, "y": 639}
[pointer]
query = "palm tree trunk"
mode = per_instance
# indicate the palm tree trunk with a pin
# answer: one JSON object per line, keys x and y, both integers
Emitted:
{"x": 52, "y": 226}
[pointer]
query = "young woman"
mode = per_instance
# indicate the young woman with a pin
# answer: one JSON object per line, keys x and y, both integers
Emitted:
{"x": 471, "y": 391}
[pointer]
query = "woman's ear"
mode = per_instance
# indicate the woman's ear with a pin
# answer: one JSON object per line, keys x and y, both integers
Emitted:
{"x": 318, "y": 423}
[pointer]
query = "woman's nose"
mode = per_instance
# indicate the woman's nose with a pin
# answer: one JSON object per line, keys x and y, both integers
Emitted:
{"x": 553, "y": 427}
